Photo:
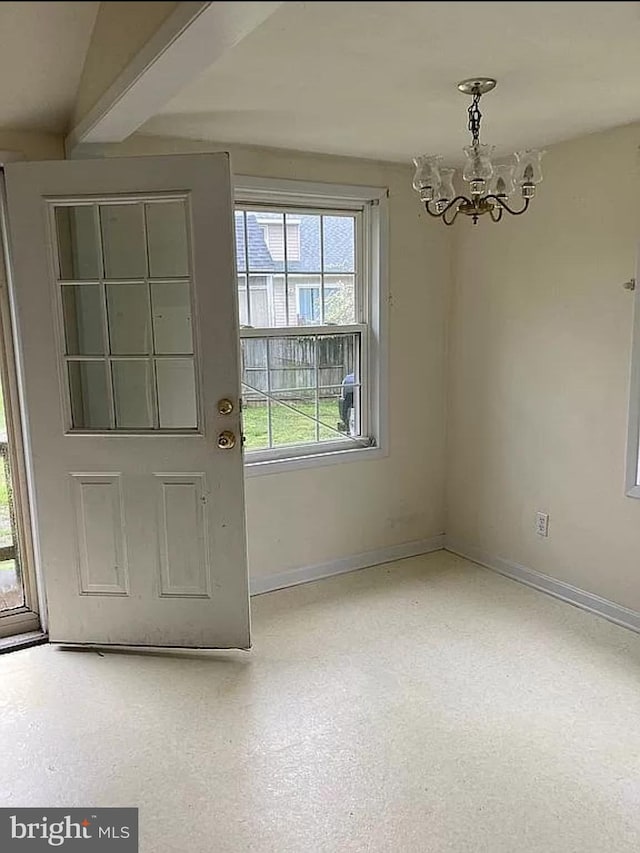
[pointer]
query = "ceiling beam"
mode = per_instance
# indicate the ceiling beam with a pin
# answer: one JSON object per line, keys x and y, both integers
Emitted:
{"x": 190, "y": 40}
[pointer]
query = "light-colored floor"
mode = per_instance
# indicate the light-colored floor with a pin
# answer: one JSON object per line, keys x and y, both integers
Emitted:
{"x": 427, "y": 705}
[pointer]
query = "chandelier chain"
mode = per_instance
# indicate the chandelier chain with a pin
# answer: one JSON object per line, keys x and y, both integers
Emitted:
{"x": 475, "y": 117}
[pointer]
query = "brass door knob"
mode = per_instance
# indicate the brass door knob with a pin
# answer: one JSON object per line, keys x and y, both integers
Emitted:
{"x": 225, "y": 406}
{"x": 226, "y": 440}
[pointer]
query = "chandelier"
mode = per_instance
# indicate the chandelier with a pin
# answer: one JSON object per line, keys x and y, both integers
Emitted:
{"x": 490, "y": 186}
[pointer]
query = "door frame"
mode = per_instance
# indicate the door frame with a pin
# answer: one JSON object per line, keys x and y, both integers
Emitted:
{"x": 33, "y": 615}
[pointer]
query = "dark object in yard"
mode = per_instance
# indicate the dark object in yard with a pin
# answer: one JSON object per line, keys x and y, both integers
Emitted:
{"x": 345, "y": 403}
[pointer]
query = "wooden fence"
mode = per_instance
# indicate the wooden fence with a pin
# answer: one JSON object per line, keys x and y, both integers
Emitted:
{"x": 290, "y": 368}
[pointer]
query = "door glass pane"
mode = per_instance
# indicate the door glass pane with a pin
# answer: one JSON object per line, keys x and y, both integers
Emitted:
{"x": 172, "y": 318}
{"x": 132, "y": 394}
{"x": 83, "y": 324}
{"x": 176, "y": 393}
{"x": 123, "y": 241}
{"x": 78, "y": 255}
{"x": 129, "y": 322}
{"x": 167, "y": 239}
{"x": 88, "y": 391}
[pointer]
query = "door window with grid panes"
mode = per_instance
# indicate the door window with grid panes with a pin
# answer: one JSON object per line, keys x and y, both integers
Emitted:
{"x": 305, "y": 300}
{"x": 123, "y": 273}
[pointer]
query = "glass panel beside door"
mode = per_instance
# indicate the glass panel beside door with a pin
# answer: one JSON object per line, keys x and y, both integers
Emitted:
{"x": 12, "y": 589}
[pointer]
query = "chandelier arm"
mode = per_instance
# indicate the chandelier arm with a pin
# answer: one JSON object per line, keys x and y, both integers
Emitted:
{"x": 498, "y": 214}
{"x": 441, "y": 214}
{"x": 506, "y": 207}
{"x": 455, "y": 213}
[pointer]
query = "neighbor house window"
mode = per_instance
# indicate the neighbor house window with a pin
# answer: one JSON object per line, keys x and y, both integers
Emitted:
{"x": 310, "y": 262}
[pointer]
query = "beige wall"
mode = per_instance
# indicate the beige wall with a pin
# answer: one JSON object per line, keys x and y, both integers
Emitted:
{"x": 306, "y": 517}
{"x": 540, "y": 335}
{"x": 32, "y": 144}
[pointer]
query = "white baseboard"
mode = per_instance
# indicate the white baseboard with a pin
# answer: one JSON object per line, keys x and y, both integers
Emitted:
{"x": 558, "y": 589}
{"x": 293, "y": 577}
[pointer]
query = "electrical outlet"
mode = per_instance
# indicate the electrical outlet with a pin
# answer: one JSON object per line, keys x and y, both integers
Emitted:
{"x": 542, "y": 523}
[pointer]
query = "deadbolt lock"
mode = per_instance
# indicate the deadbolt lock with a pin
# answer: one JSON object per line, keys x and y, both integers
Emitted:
{"x": 225, "y": 406}
{"x": 226, "y": 440}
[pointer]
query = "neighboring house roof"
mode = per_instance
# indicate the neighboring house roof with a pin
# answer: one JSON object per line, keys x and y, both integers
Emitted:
{"x": 259, "y": 255}
{"x": 338, "y": 244}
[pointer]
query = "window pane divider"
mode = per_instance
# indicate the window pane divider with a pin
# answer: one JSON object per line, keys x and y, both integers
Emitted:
{"x": 141, "y": 356}
{"x": 246, "y": 265}
{"x": 97, "y": 224}
{"x": 297, "y": 388}
{"x": 302, "y": 331}
{"x": 64, "y": 282}
{"x": 269, "y": 422}
{"x": 301, "y": 209}
{"x": 286, "y": 267}
{"x": 85, "y": 357}
{"x": 321, "y": 271}
{"x": 152, "y": 377}
{"x": 305, "y": 272}
{"x": 289, "y": 451}
{"x": 106, "y": 201}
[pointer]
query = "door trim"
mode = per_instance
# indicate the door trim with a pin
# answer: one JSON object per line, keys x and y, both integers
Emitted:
{"x": 33, "y": 616}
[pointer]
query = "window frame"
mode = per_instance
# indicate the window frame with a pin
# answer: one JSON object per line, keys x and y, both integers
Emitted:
{"x": 633, "y": 435}
{"x": 370, "y": 206}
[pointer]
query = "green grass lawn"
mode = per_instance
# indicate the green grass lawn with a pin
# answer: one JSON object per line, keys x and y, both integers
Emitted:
{"x": 288, "y": 427}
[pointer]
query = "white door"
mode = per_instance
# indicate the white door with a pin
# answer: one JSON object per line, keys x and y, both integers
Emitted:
{"x": 124, "y": 296}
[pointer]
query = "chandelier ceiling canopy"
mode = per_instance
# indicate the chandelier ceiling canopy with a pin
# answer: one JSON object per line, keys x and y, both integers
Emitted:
{"x": 490, "y": 187}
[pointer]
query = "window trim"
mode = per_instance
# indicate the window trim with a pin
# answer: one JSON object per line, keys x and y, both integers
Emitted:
{"x": 372, "y": 243}
{"x": 633, "y": 436}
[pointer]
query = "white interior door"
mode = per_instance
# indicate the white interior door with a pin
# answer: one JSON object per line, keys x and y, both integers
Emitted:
{"x": 123, "y": 284}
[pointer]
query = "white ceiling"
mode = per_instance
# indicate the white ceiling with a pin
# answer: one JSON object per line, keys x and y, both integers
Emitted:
{"x": 378, "y": 79}
{"x": 41, "y": 59}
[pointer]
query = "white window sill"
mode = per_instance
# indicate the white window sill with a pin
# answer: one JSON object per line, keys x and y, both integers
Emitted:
{"x": 22, "y": 641}
{"x": 317, "y": 460}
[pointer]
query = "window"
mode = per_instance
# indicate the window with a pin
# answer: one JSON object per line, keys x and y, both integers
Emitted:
{"x": 310, "y": 263}
{"x": 124, "y": 300}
